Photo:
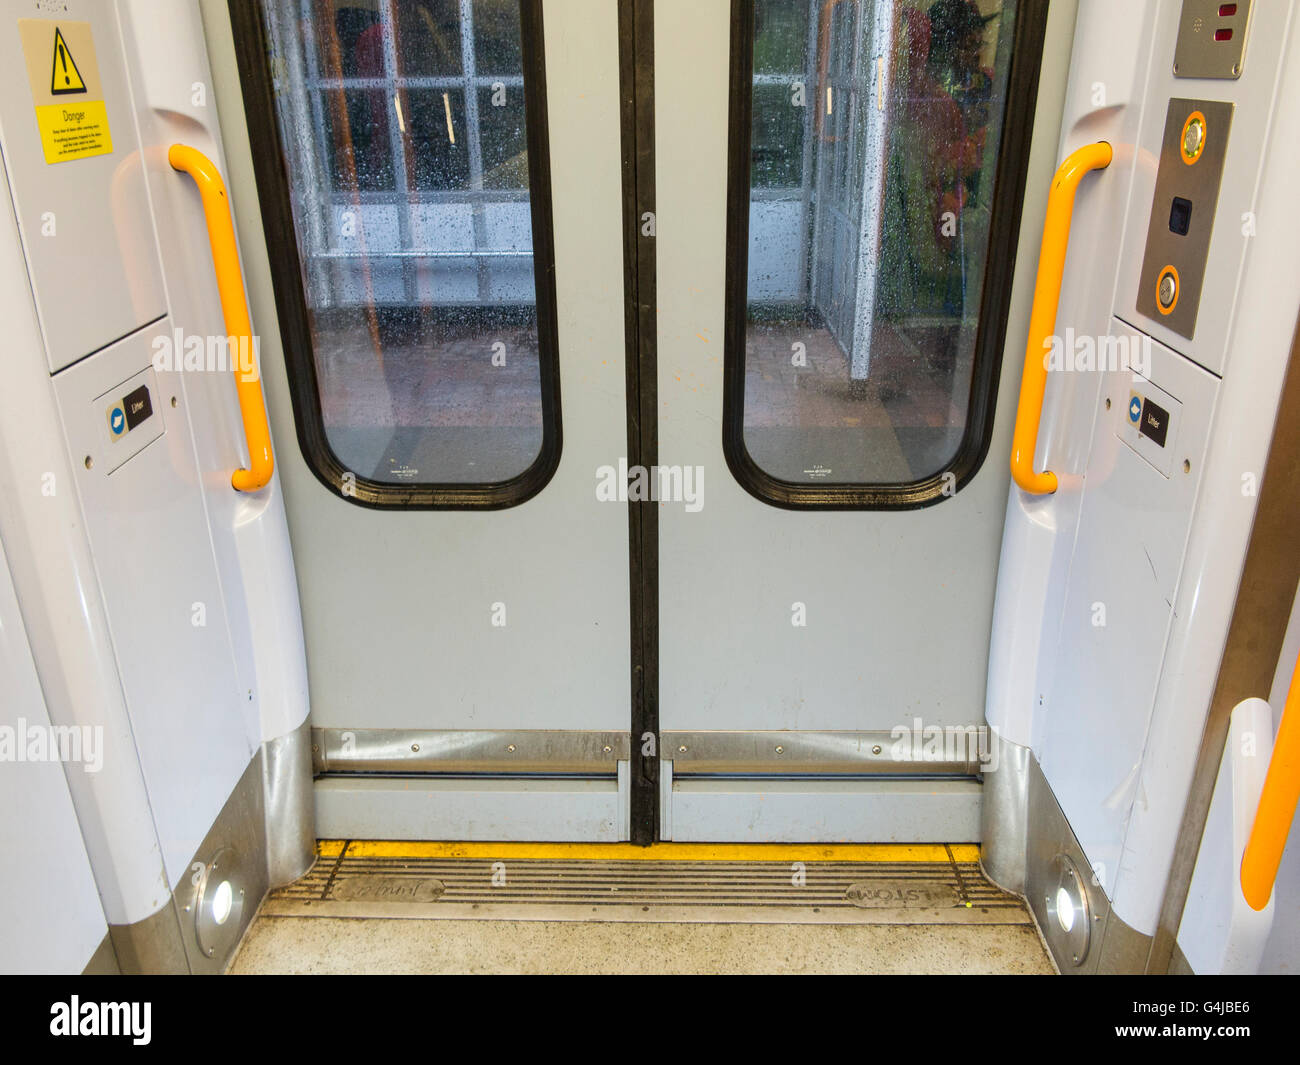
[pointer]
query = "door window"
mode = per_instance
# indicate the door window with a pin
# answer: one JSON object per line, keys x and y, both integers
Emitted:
{"x": 866, "y": 173}
{"x": 410, "y": 155}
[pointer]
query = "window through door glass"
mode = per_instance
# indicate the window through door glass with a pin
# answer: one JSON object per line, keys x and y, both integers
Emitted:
{"x": 405, "y": 135}
{"x": 874, "y": 145}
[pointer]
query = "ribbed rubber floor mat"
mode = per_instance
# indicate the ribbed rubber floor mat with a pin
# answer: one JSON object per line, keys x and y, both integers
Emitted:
{"x": 833, "y": 892}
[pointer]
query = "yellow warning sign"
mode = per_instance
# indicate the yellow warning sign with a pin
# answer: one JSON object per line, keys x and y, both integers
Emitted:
{"x": 64, "y": 77}
{"x": 74, "y": 131}
{"x": 71, "y": 113}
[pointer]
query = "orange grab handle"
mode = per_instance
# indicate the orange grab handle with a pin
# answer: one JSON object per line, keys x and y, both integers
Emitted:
{"x": 1277, "y": 805}
{"x": 1042, "y": 319}
{"x": 234, "y": 308}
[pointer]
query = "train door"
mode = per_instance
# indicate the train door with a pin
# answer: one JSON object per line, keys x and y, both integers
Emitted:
{"x": 749, "y": 598}
{"x": 837, "y": 219}
{"x": 440, "y": 188}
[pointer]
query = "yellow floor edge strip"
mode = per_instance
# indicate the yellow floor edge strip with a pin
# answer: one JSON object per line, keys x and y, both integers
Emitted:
{"x": 679, "y": 852}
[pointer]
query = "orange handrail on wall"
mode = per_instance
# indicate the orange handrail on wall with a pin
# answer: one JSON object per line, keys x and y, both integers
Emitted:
{"x": 1042, "y": 319}
{"x": 234, "y": 308}
{"x": 1277, "y": 805}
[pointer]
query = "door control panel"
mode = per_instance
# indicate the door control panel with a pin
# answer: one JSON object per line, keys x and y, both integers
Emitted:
{"x": 1182, "y": 215}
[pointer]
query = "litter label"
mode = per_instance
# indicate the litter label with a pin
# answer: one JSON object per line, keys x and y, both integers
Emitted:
{"x": 64, "y": 74}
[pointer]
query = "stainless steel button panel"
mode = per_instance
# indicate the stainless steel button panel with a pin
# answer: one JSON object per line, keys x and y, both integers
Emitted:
{"x": 1186, "y": 198}
{"x": 1212, "y": 39}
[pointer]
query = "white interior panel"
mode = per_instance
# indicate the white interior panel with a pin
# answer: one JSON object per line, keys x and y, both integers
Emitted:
{"x": 51, "y": 919}
{"x": 194, "y": 727}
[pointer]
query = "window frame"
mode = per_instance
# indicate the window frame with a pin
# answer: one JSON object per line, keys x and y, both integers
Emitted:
{"x": 252, "y": 49}
{"x": 995, "y": 296}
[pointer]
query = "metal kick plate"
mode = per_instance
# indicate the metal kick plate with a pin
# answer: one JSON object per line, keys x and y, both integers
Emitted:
{"x": 359, "y": 750}
{"x": 1182, "y": 211}
{"x": 1211, "y": 39}
{"x": 953, "y": 751}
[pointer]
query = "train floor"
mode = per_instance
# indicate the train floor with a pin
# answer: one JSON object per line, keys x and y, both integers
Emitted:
{"x": 376, "y": 907}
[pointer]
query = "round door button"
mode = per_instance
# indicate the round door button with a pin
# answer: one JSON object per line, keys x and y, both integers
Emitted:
{"x": 1193, "y": 143}
{"x": 1167, "y": 290}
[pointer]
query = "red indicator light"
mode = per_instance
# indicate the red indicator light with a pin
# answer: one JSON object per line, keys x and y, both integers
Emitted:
{"x": 1227, "y": 10}
{"x": 1223, "y": 35}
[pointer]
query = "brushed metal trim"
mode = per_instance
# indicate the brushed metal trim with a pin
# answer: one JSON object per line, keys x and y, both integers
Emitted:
{"x": 166, "y": 942}
{"x": 104, "y": 961}
{"x": 360, "y": 750}
{"x": 1005, "y": 817}
{"x": 153, "y": 946}
{"x": 1114, "y": 947}
{"x": 665, "y": 800}
{"x": 824, "y": 753}
{"x": 1123, "y": 949}
{"x": 1265, "y": 596}
{"x": 290, "y": 806}
{"x": 1048, "y": 834}
{"x": 238, "y": 836}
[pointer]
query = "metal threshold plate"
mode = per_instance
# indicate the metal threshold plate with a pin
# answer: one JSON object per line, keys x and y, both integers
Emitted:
{"x": 784, "y": 891}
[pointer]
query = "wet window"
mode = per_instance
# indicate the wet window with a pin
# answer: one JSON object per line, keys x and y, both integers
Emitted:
{"x": 405, "y": 136}
{"x": 873, "y": 153}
